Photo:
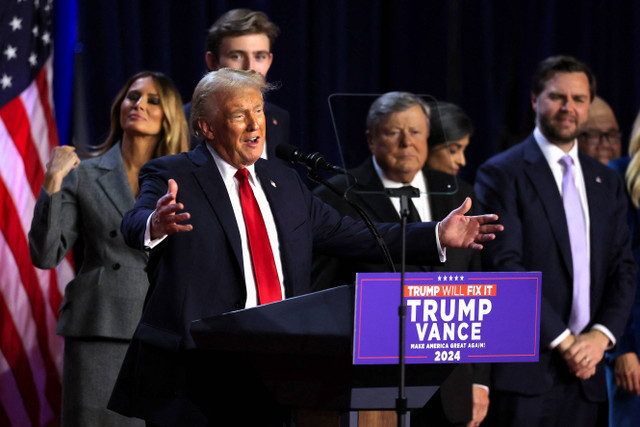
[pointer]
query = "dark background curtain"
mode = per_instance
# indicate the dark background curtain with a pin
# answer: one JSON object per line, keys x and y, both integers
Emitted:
{"x": 478, "y": 54}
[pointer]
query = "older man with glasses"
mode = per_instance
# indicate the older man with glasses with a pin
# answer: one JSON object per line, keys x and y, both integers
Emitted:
{"x": 600, "y": 137}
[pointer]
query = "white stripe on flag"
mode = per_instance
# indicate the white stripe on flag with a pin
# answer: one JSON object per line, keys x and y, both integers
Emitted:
{"x": 20, "y": 310}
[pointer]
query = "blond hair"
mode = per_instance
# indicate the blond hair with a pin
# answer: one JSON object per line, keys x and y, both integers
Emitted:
{"x": 633, "y": 170}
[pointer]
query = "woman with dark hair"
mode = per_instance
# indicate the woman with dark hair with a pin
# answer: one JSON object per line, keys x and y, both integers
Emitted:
{"x": 449, "y": 133}
{"x": 85, "y": 201}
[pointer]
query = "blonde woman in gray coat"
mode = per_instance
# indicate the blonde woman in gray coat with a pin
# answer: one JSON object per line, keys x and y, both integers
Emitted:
{"x": 85, "y": 201}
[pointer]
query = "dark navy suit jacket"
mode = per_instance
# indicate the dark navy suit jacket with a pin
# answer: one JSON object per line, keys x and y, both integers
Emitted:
{"x": 199, "y": 274}
{"x": 518, "y": 185}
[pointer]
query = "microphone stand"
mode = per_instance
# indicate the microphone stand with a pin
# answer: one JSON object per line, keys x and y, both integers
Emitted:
{"x": 404, "y": 193}
{"x": 315, "y": 177}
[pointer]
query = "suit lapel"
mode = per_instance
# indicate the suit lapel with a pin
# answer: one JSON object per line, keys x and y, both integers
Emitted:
{"x": 370, "y": 194}
{"x": 208, "y": 177}
{"x": 374, "y": 200}
{"x": 595, "y": 197}
{"x": 113, "y": 180}
{"x": 538, "y": 171}
{"x": 441, "y": 202}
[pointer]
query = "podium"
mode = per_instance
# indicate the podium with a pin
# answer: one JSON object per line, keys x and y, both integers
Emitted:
{"x": 302, "y": 348}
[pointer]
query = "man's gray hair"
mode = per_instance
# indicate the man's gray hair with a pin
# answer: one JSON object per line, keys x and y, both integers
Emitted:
{"x": 393, "y": 102}
{"x": 204, "y": 103}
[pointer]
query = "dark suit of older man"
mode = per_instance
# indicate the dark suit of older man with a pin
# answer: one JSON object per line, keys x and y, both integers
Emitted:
{"x": 453, "y": 402}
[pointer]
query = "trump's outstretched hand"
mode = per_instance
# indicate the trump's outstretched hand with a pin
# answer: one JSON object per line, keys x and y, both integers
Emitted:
{"x": 164, "y": 220}
{"x": 460, "y": 231}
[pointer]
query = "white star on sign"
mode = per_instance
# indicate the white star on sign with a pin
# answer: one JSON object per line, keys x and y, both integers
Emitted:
{"x": 46, "y": 38}
{"x": 11, "y": 52}
{"x": 33, "y": 60}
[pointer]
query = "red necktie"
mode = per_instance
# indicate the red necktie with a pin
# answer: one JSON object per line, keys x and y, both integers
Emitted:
{"x": 264, "y": 267}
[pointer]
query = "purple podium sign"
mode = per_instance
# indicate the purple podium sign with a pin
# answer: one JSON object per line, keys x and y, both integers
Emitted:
{"x": 468, "y": 317}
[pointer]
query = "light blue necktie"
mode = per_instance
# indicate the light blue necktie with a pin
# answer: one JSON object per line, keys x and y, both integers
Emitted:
{"x": 580, "y": 307}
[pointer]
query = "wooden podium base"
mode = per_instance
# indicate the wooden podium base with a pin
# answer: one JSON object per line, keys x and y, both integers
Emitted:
{"x": 377, "y": 418}
{"x": 331, "y": 418}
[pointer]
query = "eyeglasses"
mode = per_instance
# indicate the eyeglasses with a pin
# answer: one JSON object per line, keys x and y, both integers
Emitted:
{"x": 594, "y": 137}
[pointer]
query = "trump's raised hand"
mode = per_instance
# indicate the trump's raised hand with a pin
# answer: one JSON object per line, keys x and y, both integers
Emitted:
{"x": 460, "y": 231}
{"x": 165, "y": 219}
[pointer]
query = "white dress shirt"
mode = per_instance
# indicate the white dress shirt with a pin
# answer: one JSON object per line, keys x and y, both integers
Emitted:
{"x": 421, "y": 203}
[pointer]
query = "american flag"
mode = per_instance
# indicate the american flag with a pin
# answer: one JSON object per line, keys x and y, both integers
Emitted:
{"x": 30, "y": 351}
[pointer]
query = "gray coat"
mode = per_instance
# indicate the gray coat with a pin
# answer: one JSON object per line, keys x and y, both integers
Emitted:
{"x": 106, "y": 297}
{"x": 102, "y": 305}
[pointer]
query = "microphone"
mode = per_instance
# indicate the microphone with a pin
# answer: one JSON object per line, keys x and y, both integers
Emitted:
{"x": 313, "y": 161}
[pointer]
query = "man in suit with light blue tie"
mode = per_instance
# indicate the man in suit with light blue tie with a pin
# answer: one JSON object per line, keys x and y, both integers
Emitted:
{"x": 566, "y": 216}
